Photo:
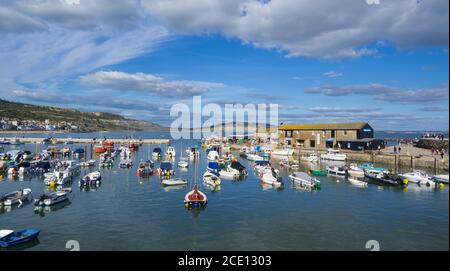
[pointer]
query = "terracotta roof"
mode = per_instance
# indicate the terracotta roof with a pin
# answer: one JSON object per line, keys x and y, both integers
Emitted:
{"x": 324, "y": 126}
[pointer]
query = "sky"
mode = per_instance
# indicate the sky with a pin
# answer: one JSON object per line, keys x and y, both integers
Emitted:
{"x": 382, "y": 62}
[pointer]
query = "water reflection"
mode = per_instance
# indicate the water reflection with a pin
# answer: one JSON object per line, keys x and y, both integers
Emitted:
{"x": 43, "y": 210}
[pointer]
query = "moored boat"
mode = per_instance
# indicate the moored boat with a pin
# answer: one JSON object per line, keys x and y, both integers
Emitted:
{"x": 336, "y": 171}
{"x": 174, "y": 182}
{"x": 53, "y": 198}
{"x": 303, "y": 179}
{"x": 157, "y": 153}
{"x": 419, "y": 177}
{"x": 355, "y": 171}
{"x": 311, "y": 158}
{"x": 211, "y": 179}
{"x": 16, "y": 197}
{"x": 93, "y": 178}
{"x": 10, "y": 238}
{"x": 317, "y": 172}
{"x": 283, "y": 152}
{"x": 357, "y": 182}
{"x": 386, "y": 178}
{"x": 334, "y": 155}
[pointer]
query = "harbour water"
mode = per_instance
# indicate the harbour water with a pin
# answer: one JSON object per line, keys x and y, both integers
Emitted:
{"x": 131, "y": 213}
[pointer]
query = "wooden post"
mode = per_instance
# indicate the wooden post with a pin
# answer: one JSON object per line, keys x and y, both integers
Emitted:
{"x": 412, "y": 162}
{"x": 395, "y": 164}
{"x": 435, "y": 166}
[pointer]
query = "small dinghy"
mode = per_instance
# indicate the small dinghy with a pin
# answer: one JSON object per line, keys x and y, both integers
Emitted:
{"x": 357, "y": 182}
{"x": 211, "y": 179}
{"x": 303, "y": 179}
{"x": 318, "y": 172}
{"x": 310, "y": 158}
{"x": 174, "y": 182}
{"x": 10, "y": 238}
{"x": 355, "y": 171}
{"x": 371, "y": 169}
{"x": 126, "y": 163}
{"x": 53, "y": 198}
{"x": 183, "y": 164}
{"x": 15, "y": 197}
{"x": 93, "y": 178}
{"x": 261, "y": 166}
{"x": 385, "y": 178}
{"x": 89, "y": 163}
{"x": 195, "y": 198}
{"x": 157, "y": 153}
{"x": 337, "y": 171}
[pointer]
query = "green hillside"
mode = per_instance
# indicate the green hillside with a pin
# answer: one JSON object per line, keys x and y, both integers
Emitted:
{"x": 86, "y": 121}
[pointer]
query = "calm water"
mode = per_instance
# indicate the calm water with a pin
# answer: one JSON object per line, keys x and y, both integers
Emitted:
{"x": 129, "y": 213}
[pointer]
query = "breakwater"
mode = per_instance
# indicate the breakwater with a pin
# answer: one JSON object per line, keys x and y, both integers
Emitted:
{"x": 433, "y": 143}
{"x": 88, "y": 140}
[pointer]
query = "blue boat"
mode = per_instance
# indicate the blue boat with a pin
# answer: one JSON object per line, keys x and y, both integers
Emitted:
{"x": 369, "y": 167}
{"x": 213, "y": 167}
{"x": 78, "y": 151}
{"x": 9, "y": 238}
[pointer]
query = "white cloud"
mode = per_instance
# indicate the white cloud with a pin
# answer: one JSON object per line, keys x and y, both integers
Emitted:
{"x": 332, "y": 74}
{"x": 148, "y": 83}
{"x": 321, "y": 28}
{"x": 386, "y": 93}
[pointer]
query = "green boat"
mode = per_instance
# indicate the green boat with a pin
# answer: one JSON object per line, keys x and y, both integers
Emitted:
{"x": 318, "y": 172}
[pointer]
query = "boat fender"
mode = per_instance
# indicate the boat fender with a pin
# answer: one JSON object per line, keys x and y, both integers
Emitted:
{"x": 405, "y": 181}
{"x": 441, "y": 186}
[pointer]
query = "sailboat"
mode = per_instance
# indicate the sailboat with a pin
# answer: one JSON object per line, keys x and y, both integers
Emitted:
{"x": 195, "y": 198}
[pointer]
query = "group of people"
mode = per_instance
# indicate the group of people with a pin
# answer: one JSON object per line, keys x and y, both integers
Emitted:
{"x": 436, "y": 136}
{"x": 397, "y": 150}
{"x": 441, "y": 152}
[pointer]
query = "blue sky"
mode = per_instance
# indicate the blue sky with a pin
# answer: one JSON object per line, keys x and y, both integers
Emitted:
{"x": 321, "y": 61}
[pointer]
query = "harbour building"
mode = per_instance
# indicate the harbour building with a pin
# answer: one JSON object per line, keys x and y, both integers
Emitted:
{"x": 352, "y": 135}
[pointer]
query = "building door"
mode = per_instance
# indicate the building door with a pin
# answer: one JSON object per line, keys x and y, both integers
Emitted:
{"x": 313, "y": 143}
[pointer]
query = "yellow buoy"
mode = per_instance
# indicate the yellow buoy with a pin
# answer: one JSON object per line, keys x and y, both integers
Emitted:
{"x": 405, "y": 181}
{"x": 441, "y": 186}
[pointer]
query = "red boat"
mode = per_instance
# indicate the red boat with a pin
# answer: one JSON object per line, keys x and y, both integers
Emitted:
{"x": 104, "y": 146}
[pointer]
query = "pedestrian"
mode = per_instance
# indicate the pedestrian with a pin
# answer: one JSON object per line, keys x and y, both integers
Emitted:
{"x": 432, "y": 151}
{"x": 395, "y": 149}
{"x": 399, "y": 149}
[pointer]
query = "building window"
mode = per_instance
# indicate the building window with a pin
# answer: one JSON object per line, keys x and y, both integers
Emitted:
{"x": 288, "y": 133}
{"x": 333, "y": 133}
{"x": 345, "y": 132}
{"x": 313, "y": 143}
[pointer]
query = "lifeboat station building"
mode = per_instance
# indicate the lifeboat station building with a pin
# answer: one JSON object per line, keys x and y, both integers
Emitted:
{"x": 352, "y": 135}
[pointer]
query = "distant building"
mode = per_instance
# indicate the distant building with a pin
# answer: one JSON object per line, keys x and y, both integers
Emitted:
{"x": 354, "y": 135}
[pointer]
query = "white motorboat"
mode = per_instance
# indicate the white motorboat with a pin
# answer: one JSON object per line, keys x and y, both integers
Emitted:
{"x": 211, "y": 179}
{"x": 334, "y": 155}
{"x": 419, "y": 177}
{"x": 357, "y": 182}
{"x": 269, "y": 177}
{"x": 227, "y": 173}
{"x": 261, "y": 166}
{"x": 254, "y": 157}
{"x": 283, "y": 152}
{"x": 53, "y": 198}
{"x": 59, "y": 177}
{"x": 303, "y": 179}
{"x": 171, "y": 152}
{"x": 213, "y": 155}
{"x": 174, "y": 182}
{"x": 441, "y": 178}
{"x": 15, "y": 197}
{"x": 72, "y": 167}
{"x": 310, "y": 158}
{"x": 183, "y": 164}
{"x": 156, "y": 153}
{"x": 93, "y": 178}
{"x": 355, "y": 171}
{"x": 336, "y": 171}
{"x": 126, "y": 163}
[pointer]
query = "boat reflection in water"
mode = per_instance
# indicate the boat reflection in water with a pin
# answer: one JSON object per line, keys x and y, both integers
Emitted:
{"x": 92, "y": 187}
{"x": 23, "y": 246}
{"x": 268, "y": 187}
{"x": 212, "y": 188}
{"x": 174, "y": 187}
{"x": 42, "y": 210}
{"x": 195, "y": 211}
